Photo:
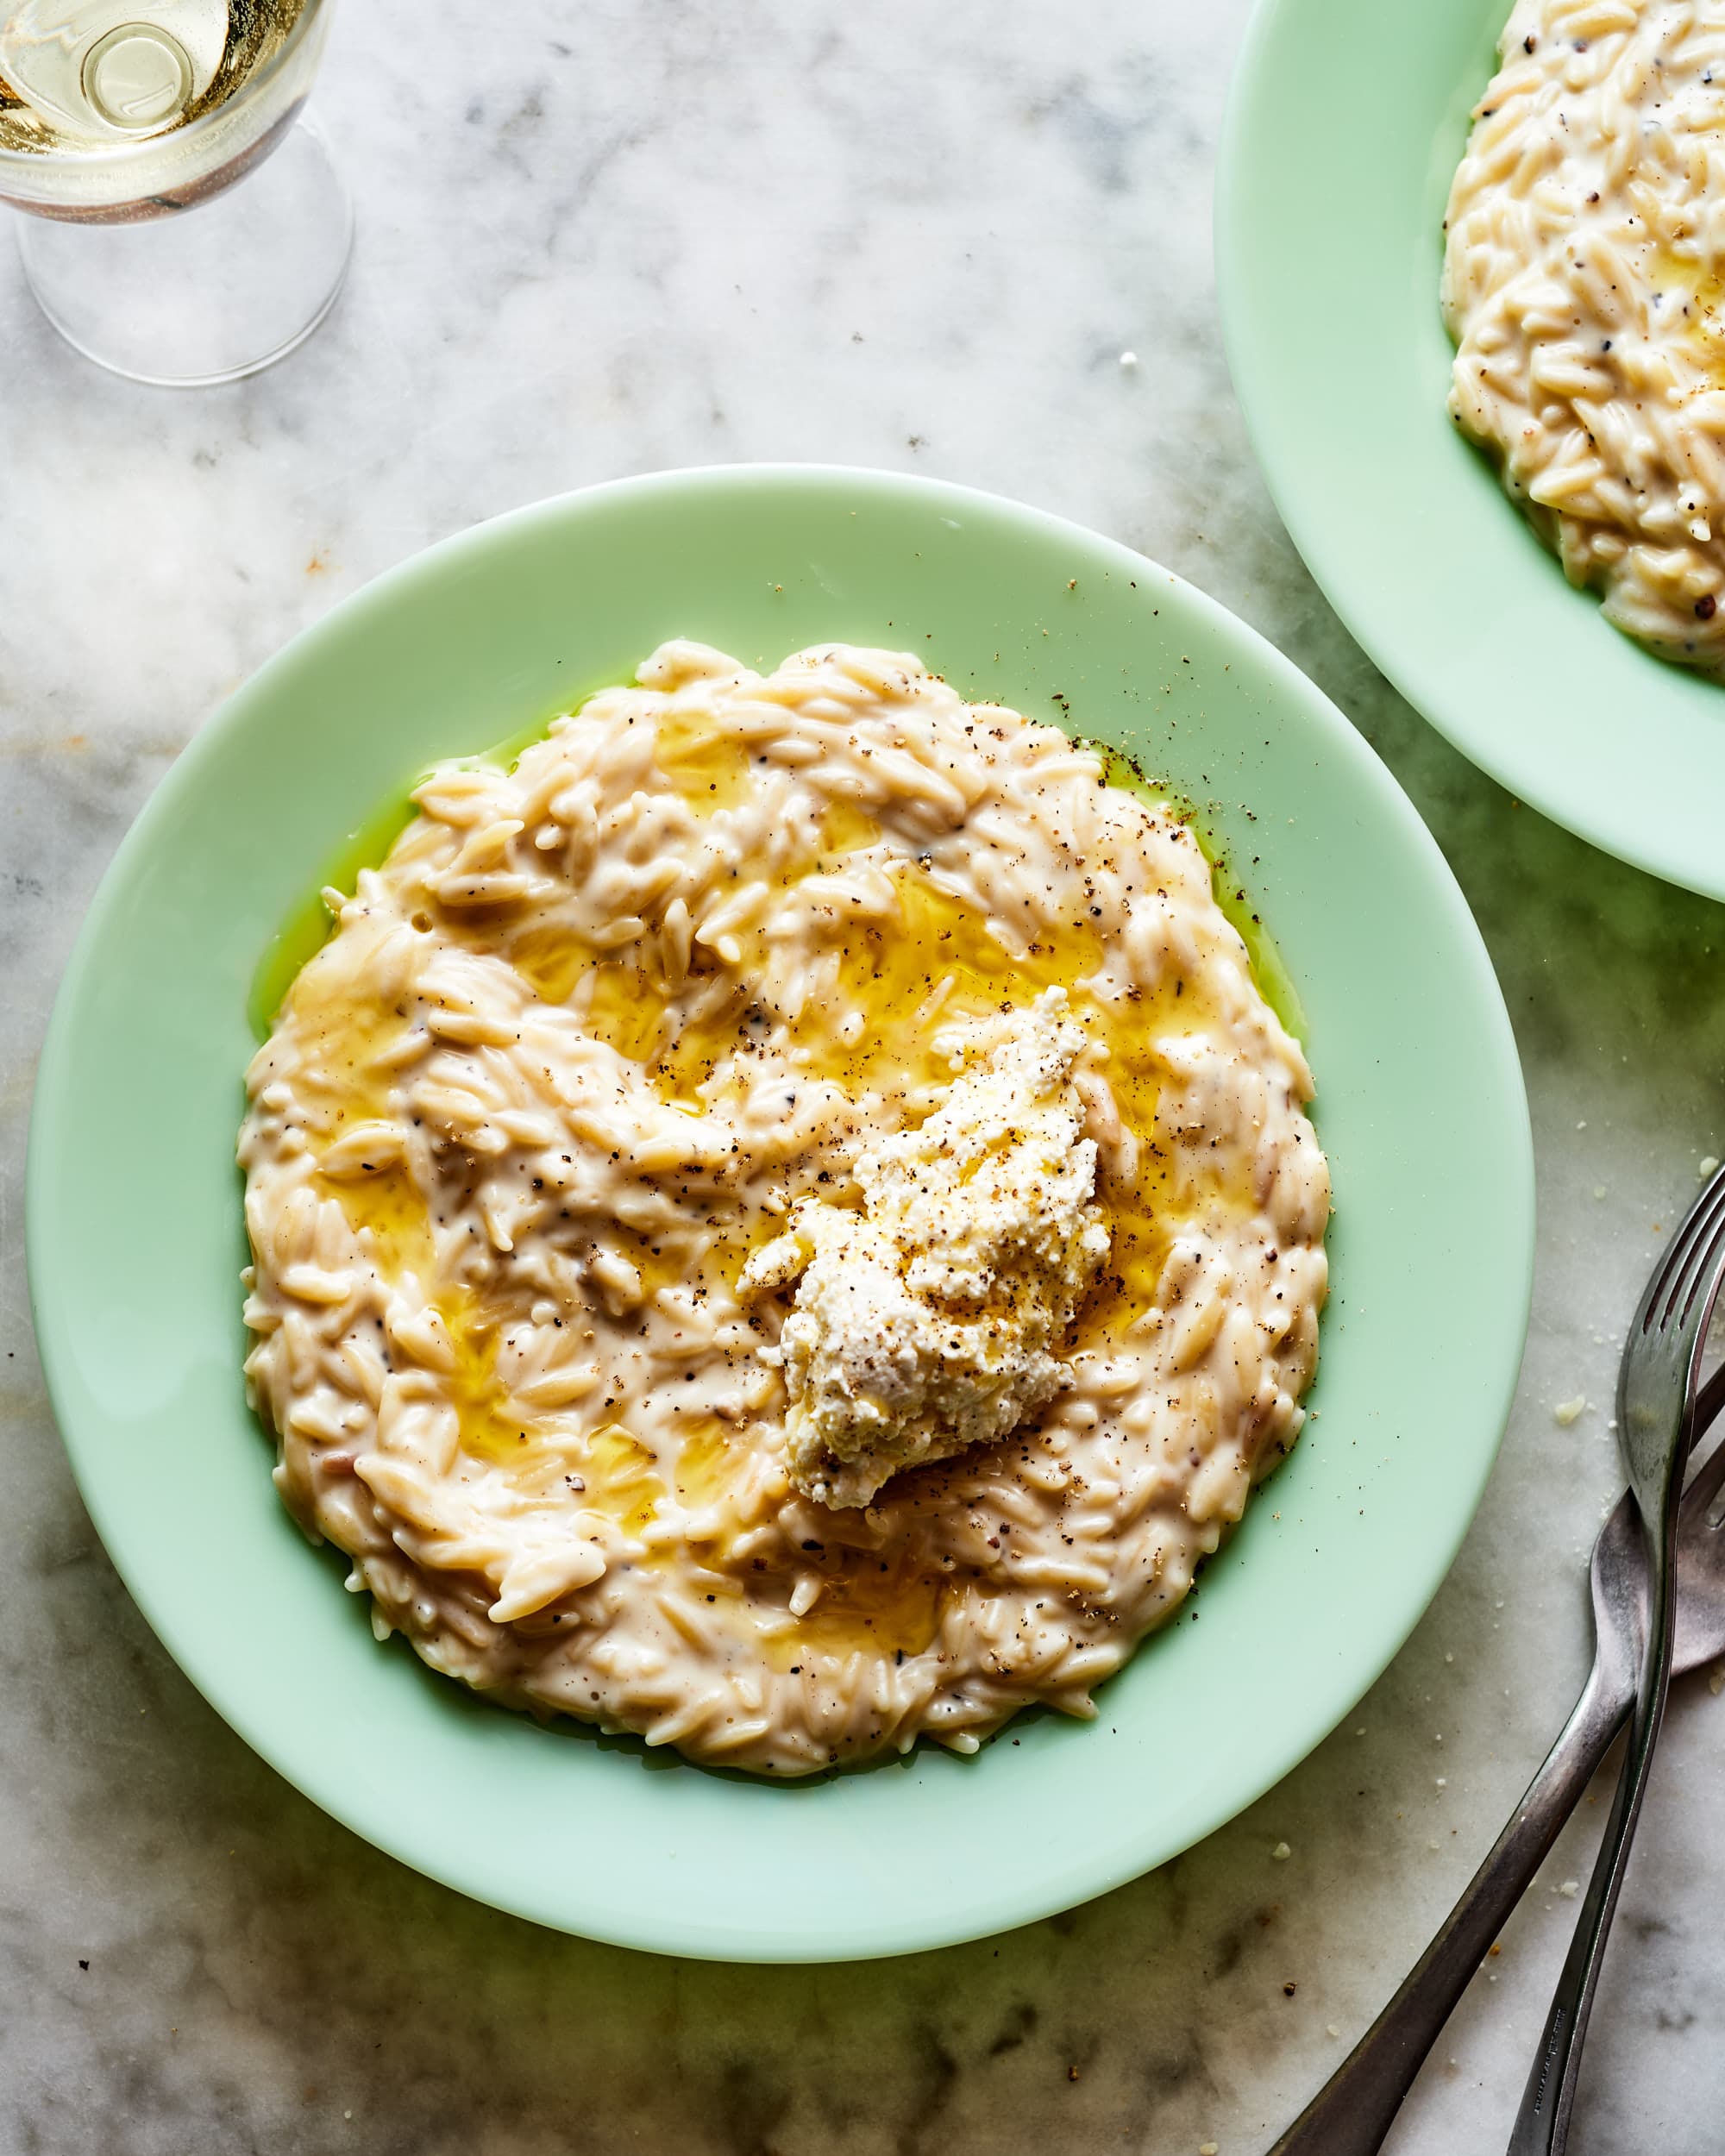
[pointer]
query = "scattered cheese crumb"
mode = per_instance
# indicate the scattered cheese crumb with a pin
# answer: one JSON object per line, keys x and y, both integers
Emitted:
{"x": 1709, "y": 1167}
{"x": 1208, "y": 2148}
{"x": 1599, "y": 1190}
{"x": 1129, "y": 360}
{"x": 1330, "y": 2029}
{"x": 1567, "y": 1410}
{"x": 1281, "y": 1854}
{"x": 1568, "y": 1889}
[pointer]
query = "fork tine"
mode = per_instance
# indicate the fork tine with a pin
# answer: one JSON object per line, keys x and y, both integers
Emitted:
{"x": 1705, "y": 1483}
{"x": 1694, "y": 1226}
{"x": 1646, "y": 1311}
{"x": 1710, "y": 1400}
{"x": 1667, "y": 1285}
{"x": 1699, "y": 1274}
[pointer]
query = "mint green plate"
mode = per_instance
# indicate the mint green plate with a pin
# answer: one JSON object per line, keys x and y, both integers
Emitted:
{"x": 1346, "y": 123}
{"x": 135, "y": 1242}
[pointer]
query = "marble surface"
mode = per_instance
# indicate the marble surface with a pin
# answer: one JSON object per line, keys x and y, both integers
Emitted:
{"x": 604, "y": 238}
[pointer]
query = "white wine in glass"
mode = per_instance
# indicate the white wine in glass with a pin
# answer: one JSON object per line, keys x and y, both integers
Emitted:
{"x": 126, "y": 129}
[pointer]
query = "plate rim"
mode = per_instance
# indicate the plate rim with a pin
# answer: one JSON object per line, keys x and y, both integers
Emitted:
{"x": 251, "y": 1724}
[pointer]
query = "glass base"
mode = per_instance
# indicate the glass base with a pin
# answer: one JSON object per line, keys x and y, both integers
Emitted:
{"x": 212, "y": 293}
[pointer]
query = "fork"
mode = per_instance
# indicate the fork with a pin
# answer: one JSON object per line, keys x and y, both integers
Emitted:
{"x": 1354, "y": 2111}
{"x": 1656, "y": 1403}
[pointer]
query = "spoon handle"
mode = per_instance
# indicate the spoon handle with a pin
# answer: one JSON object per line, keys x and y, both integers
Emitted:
{"x": 1352, "y": 2112}
{"x": 1542, "y": 2123}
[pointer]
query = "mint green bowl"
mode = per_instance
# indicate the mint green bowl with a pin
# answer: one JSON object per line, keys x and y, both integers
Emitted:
{"x": 135, "y": 1241}
{"x": 1346, "y": 123}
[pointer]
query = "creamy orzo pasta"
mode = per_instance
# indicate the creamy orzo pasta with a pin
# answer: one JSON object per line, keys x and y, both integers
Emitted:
{"x": 782, "y": 1222}
{"x": 1583, "y": 285}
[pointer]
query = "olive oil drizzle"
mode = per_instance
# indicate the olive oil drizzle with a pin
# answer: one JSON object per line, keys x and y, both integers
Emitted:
{"x": 939, "y": 958}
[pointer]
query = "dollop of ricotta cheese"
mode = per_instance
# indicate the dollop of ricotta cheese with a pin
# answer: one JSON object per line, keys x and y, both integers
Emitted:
{"x": 929, "y": 1321}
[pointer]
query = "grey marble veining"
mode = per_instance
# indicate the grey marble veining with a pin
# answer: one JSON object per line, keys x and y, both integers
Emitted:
{"x": 607, "y": 238}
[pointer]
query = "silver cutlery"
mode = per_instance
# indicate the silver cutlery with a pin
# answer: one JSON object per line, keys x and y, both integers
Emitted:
{"x": 1657, "y": 1383}
{"x": 1353, "y": 2112}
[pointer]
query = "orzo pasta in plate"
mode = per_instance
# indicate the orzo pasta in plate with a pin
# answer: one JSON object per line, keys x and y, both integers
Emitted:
{"x": 1584, "y": 286}
{"x": 784, "y": 1222}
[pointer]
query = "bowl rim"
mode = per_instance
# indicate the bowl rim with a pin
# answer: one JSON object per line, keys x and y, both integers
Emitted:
{"x": 1098, "y": 1872}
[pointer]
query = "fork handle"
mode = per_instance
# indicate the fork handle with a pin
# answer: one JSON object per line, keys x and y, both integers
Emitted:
{"x": 1352, "y": 2112}
{"x": 1542, "y": 2123}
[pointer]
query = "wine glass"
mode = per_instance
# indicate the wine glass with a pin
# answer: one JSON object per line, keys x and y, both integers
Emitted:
{"x": 187, "y": 226}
